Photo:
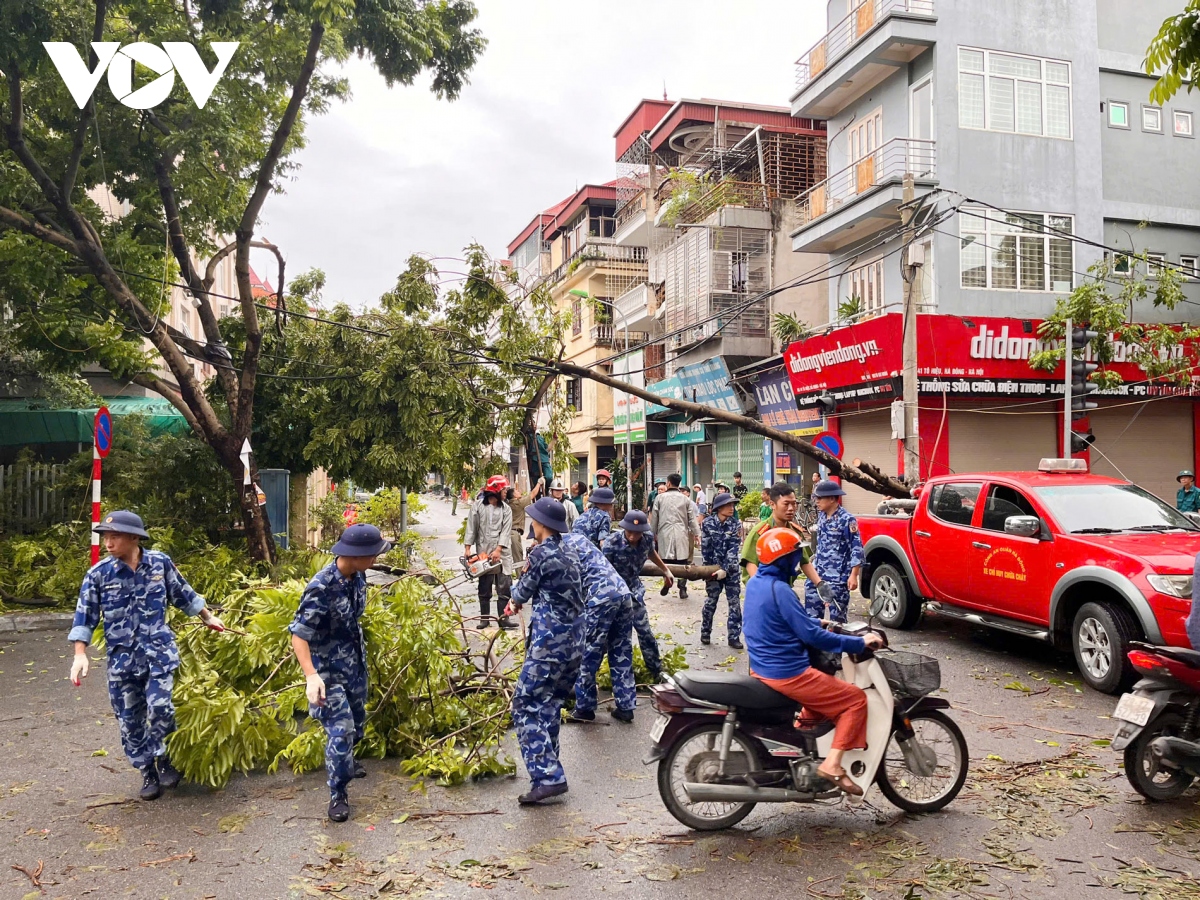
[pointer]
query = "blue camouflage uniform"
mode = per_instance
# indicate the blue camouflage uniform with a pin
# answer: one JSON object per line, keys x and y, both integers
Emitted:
{"x": 328, "y": 619}
{"x": 595, "y": 525}
{"x": 552, "y": 581}
{"x": 142, "y": 656}
{"x": 608, "y": 628}
{"x": 628, "y": 560}
{"x": 839, "y": 549}
{"x": 721, "y": 545}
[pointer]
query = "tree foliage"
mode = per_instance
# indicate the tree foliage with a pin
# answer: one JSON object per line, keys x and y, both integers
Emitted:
{"x": 1174, "y": 54}
{"x": 103, "y": 208}
{"x": 1106, "y": 303}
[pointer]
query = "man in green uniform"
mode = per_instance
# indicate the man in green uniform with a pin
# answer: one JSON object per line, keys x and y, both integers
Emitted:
{"x": 781, "y": 498}
{"x": 1187, "y": 498}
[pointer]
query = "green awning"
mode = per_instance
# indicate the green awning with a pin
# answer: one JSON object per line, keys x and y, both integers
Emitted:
{"x": 23, "y": 422}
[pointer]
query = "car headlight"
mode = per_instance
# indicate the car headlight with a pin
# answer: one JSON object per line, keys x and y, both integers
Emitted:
{"x": 1172, "y": 585}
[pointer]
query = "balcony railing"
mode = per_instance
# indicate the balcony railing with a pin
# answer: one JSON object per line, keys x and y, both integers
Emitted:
{"x": 890, "y": 162}
{"x": 611, "y": 336}
{"x": 636, "y": 304}
{"x": 693, "y": 205}
{"x": 633, "y": 207}
{"x": 598, "y": 250}
{"x": 846, "y": 33}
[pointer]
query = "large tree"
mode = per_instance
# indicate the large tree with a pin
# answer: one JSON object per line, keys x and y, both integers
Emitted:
{"x": 1174, "y": 54}
{"x": 88, "y": 286}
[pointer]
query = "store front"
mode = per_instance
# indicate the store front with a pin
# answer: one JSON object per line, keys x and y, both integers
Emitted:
{"x": 777, "y": 408}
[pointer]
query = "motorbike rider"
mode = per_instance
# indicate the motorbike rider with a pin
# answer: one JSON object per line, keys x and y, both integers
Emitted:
{"x": 779, "y": 635}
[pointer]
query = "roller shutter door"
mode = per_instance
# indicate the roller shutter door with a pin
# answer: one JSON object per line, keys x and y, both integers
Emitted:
{"x": 1001, "y": 443}
{"x": 664, "y": 463}
{"x": 868, "y": 437}
{"x": 1147, "y": 443}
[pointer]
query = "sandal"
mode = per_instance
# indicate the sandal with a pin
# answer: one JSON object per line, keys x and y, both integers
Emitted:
{"x": 842, "y": 782}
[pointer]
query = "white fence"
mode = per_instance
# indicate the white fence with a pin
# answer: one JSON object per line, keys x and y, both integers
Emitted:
{"x": 31, "y": 497}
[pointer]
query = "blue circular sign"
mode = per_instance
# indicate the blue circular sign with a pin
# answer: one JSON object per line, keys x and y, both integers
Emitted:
{"x": 830, "y": 443}
{"x": 103, "y": 431}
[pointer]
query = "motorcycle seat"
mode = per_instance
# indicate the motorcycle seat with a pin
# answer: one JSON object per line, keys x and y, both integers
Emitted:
{"x": 742, "y": 691}
{"x": 1190, "y": 658}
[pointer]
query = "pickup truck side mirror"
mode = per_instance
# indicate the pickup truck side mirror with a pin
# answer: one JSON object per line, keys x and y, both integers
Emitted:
{"x": 1023, "y": 526}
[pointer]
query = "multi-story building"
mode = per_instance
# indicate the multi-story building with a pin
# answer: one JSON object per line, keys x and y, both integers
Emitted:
{"x": 709, "y": 188}
{"x": 1033, "y": 122}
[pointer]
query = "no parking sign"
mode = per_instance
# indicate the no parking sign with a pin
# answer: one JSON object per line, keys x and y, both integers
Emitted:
{"x": 830, "y": 443}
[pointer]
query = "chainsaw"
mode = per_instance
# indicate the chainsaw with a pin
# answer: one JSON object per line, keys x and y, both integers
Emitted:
{"x": 479, "y": 565}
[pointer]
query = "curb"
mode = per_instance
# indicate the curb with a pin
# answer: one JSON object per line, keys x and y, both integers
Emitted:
{"x": 41, "y": 622}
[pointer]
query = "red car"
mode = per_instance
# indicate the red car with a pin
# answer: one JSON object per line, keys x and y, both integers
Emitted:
{"x": 1083, "y": 562}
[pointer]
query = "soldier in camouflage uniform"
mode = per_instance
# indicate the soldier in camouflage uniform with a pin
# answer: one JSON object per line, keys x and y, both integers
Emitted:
{"x": 552, "y": 582}
{"x": 839, "y": 555}
{"x": 329, "y": 645}
{"x": 608, "y": 629}
{"x": 627, "y": 549}
{"x": 596, "y": 523}
{"x": 130, "y": 591}
{"x": 721, "y": 545}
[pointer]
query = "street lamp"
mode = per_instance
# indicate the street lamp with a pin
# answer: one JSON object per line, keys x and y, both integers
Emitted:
{"x": 628, "y": 398}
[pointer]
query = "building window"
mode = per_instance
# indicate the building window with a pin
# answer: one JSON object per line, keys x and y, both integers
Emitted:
{"x": 1118, "y": 114}
{"x": 1154, "y": 264}
{"x": 1189, "y": 267}
{"x": 1020, "y": 94}
{"x": 866, "y": 283}
{"x": 1121, "y": 264}
{"x": 1011, "y": 251}
{"x": 1152, "y": 119}
{"x": 1183, "y": 124}
{"x": 575, "y": 393}
{"x": 576, "y": 316}
{"x": 739, "y": 270}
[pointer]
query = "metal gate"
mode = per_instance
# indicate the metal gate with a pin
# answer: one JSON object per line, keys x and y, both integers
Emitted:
{"x": 276, "y": 484}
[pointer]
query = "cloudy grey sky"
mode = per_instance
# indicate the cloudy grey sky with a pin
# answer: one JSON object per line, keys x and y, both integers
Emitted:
{"x": 396, "y": 172}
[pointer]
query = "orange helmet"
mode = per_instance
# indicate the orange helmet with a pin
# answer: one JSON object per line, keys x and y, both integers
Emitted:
{"x": 497, "y": 484}
{"x": 776, "y": 543}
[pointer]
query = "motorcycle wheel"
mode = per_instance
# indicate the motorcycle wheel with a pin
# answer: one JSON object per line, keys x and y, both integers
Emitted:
{"x": 1165, "y": 784}
{"x": 934, "y": 733}
{"x": 695, "y": 758}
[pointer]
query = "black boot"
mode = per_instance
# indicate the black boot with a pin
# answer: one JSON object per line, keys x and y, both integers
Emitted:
{"x": 507, "y": 624}
{"x": 542, "y": 793}
{"x": 623, "y": 715}
{"x": 151, "y": 789}
{"x": 705, "y": 639}
{"x": 168, "y": 775}
{"x": 339, "y": 807}
{"x": 666, "y": 589}
{"x": 359, "y": 771}
{"x": 736, "y": 644}
{"x": 683, "y": 592}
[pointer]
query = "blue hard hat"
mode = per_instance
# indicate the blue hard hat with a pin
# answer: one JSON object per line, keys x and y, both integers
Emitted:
{"x": 549, "y": 512}
{"x": 720, "y": 500}
{"x": 122, "y": 522}
{"x": 635, "y": 520}
{"x": 602, "y": 495}
{"x": 360, "y": 540}
{"x": 828, "y": 488}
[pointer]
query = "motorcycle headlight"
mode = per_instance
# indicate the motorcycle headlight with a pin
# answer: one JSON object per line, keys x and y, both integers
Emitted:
{"x": 1172, "y": 585}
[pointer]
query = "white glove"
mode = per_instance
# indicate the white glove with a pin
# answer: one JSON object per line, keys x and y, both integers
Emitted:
{"x": 315, "y": 689}
{"x": 79, "y": 669}
{"x": 720, "y": 574}
{"x": 212, "y": 621}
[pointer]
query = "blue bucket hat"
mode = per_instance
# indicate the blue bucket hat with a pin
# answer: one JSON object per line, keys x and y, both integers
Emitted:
{"x": 828, "y": 489}
{"x": 602, "y": 495}
{"x": 635, "y": 520}
{"x": 549, "y": 512}
{"x": 360, "y": 540}
{"x": 721, "y": 500}
{"x": 122, "y": 522}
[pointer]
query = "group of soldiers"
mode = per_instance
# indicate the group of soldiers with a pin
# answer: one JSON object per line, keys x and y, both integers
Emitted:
{"x": 583, "y": 579}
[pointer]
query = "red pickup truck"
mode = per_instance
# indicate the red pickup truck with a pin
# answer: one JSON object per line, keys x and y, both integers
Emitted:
{"x": 1081, "y": 561}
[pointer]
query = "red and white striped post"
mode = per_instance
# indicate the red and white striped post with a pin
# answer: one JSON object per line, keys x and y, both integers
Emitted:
{"x": 101, "y": 444}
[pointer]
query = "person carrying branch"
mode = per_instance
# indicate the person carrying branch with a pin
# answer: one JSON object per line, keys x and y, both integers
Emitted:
{"x": 328, "y": 641}
{"x": 720, "y": 545}
{"x": 130, "y": 591}
{"x": 628, "y": 549}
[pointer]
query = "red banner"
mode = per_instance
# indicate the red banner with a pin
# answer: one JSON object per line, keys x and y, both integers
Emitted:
{"x": 977, "y": 356}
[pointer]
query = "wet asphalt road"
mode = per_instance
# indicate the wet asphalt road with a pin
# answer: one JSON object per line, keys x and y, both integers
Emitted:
{"x": 1067, "y": 826}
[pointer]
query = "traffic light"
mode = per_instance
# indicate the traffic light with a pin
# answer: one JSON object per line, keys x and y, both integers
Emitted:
{"x": 826, "y": 404}
{"x": 1081, "y": 386}
{"x": 1081, "y": 441}
{"x": 1081, "y": 337}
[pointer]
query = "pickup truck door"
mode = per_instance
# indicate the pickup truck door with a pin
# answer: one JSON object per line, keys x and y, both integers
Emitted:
{"x": 942, "y": 536}
{"x": 1010, "y": 575}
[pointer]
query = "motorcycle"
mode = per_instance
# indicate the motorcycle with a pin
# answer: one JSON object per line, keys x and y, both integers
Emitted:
{"x": 725, "y": 743}
{"x": 1157, "y": 728}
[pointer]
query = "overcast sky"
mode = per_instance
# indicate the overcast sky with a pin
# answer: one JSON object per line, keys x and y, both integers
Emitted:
{"x": 396, "y": 172}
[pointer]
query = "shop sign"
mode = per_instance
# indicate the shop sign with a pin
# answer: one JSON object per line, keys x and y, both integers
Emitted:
{"x": 682, "y": 433}
{"x": 783, "y": 462}
{"x": 957, "y": 356}
{"x": 707, "y": 383}
{"x": 668, "y": 387}
{"x": 777, "y": 405}
{"x": 626, "y": 406}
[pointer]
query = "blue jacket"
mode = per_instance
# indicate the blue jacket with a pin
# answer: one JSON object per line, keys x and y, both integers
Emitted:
{"x": 777, "y": 630}
{"x": 328, "y": 618}
{"x": 601, "y": 583}
{"x": 595, "y": 525}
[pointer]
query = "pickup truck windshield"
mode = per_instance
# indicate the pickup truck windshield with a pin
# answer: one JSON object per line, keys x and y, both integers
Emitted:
{"x": 1110, "y": 508}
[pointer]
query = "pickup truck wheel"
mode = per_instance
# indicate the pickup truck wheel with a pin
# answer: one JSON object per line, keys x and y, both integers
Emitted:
{"x": 899, "y": 608}
{"x": 1100, "y": 637}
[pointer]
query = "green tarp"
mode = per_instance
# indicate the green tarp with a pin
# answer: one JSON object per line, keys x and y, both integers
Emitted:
{"x": 23, "y": 422}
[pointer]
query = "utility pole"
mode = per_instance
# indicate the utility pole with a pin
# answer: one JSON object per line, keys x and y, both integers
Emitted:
{"x": 1068, "y": 358}
{"x": 910, "y": 264}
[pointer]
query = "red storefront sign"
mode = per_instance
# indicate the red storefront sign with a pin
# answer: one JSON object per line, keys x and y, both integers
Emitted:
{"x": 956, "y": 356}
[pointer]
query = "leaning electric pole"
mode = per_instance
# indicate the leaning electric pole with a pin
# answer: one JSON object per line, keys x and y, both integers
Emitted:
{"x": 910, "y": 262}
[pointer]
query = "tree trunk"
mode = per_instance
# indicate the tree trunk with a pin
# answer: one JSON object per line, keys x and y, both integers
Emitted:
{"x": 691, "y": 573}
{"x": 259, "y": 542}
